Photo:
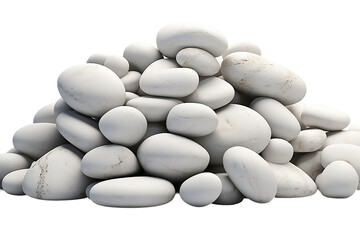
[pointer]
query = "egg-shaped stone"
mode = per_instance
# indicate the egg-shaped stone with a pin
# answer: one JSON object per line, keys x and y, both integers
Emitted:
{"x": 309, "y": 140}
{"x": 98, "y": 58}
{"x": 131, "y": 81}
{"x": 118, "y": 64}
{"x": 12, "y": 182}
{"x": 10, "y": 162}
{"x": 344, "y": 136}
{"x": 45, "y": 114}
{"x": 278, "y": 151}
{"x": 60, "y": 106}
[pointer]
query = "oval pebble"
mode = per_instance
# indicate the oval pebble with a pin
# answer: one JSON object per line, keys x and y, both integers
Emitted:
{"x": 129, "y": 96}
{"x": 10, "y": 162}
{"x": 349, "y": 137}
{"x": 172, "y": 157}
{"x": 310, "y": 163}
{"x": 292, "y": 181}
{"x": 118, "y": 64}
{"x": 251, "y": 174}
{"x": 79, "y": 130}
{"x": 131, "y": 81}
{"x": 60, "y": 106}
{"x": 174, "y": 37}
{"x": 91, "y": 89}
{"x": 254, "y": 75}
{"x": 155, "y": 109}
{"x": 309, "y": 140}
{"x": 201, "y": 189}
{"x": 109, "y": 161}
{"x": 191, "y": 120}
{"x": 45, "y": 114}
{"x": 165, "y": 78}
{"x": 229, "y": 193}
{"x": 338, "y": 180}
{"x": 36, "y": 139}
{"x": 132, "y": 192}
{"x": 278, "y": 151}
{"x": 12, "y": 182}
{"x": 324, "y": 117}
{"x": 238, "y": 126}
{"x": 213, "y": 92}
{"x": 296, "y": 109}
{"x": 140, "y": 55}
{"x": 282, "y": 122}
{"x": 98, "y": 58}
{"x": 199, "y": 60}
{"x": 123, "y": 125}
{"x": 57, "y": 175}
{"x": 243, "y": 46}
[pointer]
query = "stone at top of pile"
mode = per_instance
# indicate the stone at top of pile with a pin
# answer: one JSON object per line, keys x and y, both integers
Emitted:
{"x": 218, "y": 122}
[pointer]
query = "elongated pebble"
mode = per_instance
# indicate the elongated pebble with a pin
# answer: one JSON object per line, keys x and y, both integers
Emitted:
{"x": 45, "y": 114}
{"x": 12, "y": 182}
{"x": 10, "y": 162}
{"x": 309, "y": 140}
{"x": 118, "y": 64}
{"x": 278, "y": 151}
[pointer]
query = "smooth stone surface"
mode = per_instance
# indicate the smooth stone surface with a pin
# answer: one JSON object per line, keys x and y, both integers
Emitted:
{"x": 172, "y": 157}
{"x": 345, "y": 152}
{"x": 91, "y": 89}
{"x": 282, "y": 122}
{"x": 201, "y": 189}
{"x": 60, "y": 106}
{"x": 57, "y": 175}
{"x": 199, "y": 60}
{"x": 213, "y": 92}
{"x": 241, "y": 99}
{"x": 88, "y": 188}
{"x": 296, "y": 109}
{"x": 131, "y": 81}
{"x": 238, "y": 126}
{"x": 129, "y": 96}
{"x": 310, "y": 163}
{"x": 309, "y": 140}
{"x": 251, "y": 174}
{"x": 45, "y": 114}
{"x": 243, "y": 46}
{"x": 165, "y": 78}
{"x": 174, "y": 37}
{"x": 123, "y": 125}
{"x": 349, "y": 137}
{"x": 36, "y": 139}
{"x": 324, "y": 117}
{"x": 155, "y": 109}
{"x": 292, "y": 181}
{"x": 12, "y": 182}
{"x": 278, "y": 151}
{"x": 140, "y": 55}
{"x": 132, "y": 192}
{"x": 98, "y": 58}
{"x": 254, "y": 75}
{"x": 10, "y": 162}
{"x": 80, "y": 131}
{"x": 191, "y": 120}
{"x": 229, "y": 193}
{"x": 338, "y": 180}
{"x": 109, "y": 161}
{"x": 118, "y": 64}
{"x": 152, "y": 129}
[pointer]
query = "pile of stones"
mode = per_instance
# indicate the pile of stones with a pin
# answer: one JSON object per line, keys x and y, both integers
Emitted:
{"x": 194, "y": 116}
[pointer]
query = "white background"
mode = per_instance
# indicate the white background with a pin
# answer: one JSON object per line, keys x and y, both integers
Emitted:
{"x": 319, "y": 40}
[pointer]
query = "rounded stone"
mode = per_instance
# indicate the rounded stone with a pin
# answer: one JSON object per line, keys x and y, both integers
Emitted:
{"x": 118, "y": 64}
{"x": 45, "y": 114}
{"x": 10, "y": 162}
{"x": 309, "y": 140}
{"x": 310, "y": 163}
{"x": 348, "y": 137}
{"x": 131, "y": 81}
{"x": 229, "y": 193}
{"x": 98, "y": 58}
{"x": 60, "y": 106}
{"x": 12, "y": 182}
{"x": 278, "y": 151}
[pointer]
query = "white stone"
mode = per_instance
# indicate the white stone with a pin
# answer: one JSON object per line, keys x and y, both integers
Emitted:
{"x": 45, "y": 114}
{"x": 165, "y": 78}
{"x": 174, "y": 37}
{"x": 338, "y": 180}
{"x": 238, "y": 126}
{"x": 60, "y": 106}
{"x": 191, "y": 120}
{"x": 12, "y": 182}
{"x": 80, "y": 131}
{"x": 229, "y": 193}
{"x": 241, "y": 99}
{"x": 201, "y": 189}
{"x": 310, "y": 163}
{"x": 254, "y": 75}
{"x": 123, "y": 125}
{"x": 10, "y": 162}
{"x": 36, "y": 139}
{"x": 172, "y": 157}
{"x": 282, "y": 122}
{"x": 278, "y": 151}
{"x": 88, "y": 188}
{"x": 292, "y": 181}
{"x": 349, "y": 137}
{"x": 251, "y": 174}
{"x": 91, "y": 89}
{"x": 309, "y": 140}
{"x": 118, "y": 64}
{"x": 155, "y": 109}
{"x": 243, "y": 46}
{"x": 213, "y": 92}
{"x": 109, "y": 161}
{"x": 57, "y": 175}
{"x": 98, "y": 58}
{"x": 296, "y": 109}
{"x": 140, "y": 55}
{"x": 131, "y": 81}
{"x": 129, "y": 96}
{"x": 132, "y": 192}
{"x": 199, "y": 60}
{"x": 324, "y": 117}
